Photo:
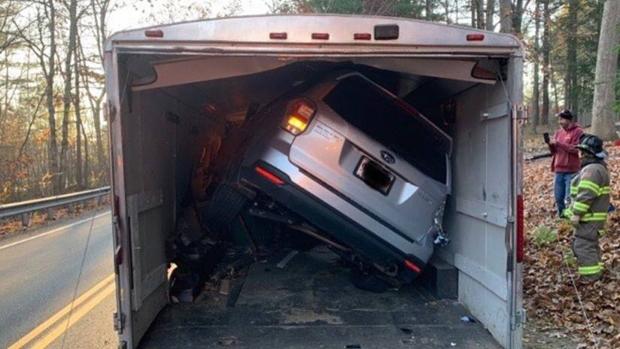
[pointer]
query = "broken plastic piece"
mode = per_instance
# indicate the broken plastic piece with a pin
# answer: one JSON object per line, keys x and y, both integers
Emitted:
{"x": 225, "y": 287}
{"x": 467, "y": 319}
{"x": 227, "y": 341}
{"x": 282, "y": 264}
{"x": 441, "y": 240}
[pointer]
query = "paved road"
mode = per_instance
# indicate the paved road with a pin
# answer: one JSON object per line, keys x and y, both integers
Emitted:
{"x": 38, "y": 277}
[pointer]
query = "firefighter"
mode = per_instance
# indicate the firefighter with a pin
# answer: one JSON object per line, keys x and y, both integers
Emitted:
{"x": 589, "y": 206}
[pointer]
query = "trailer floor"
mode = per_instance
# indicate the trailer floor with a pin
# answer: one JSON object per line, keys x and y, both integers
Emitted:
{"x": 311, "y": 303}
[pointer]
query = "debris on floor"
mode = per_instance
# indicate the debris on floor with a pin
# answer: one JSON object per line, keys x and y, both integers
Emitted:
{"x": 468, "y": 319}
{"x": 184, "y": 285}
{"x": 282, "y": 264}
{"x": 406, "y": 330}
{"x": 309, "y": 300}
{"x": 227, "y": 341}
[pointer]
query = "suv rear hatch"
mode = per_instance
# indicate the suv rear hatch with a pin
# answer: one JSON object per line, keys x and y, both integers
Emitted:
{"x": 379, "y": 153}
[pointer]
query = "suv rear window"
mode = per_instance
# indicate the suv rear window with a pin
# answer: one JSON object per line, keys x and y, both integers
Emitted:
{"x": 393, "y": 123}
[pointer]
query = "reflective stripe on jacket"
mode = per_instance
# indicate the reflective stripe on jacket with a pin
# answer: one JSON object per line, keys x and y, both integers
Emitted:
{"x": 589, "y": 193}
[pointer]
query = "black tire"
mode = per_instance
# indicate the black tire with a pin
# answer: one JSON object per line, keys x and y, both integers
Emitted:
{"x": 223, "y": 208}
{"x": 369, "y": 282}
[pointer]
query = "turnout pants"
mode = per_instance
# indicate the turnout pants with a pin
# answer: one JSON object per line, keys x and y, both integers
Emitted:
{"x": 587, "y": 251}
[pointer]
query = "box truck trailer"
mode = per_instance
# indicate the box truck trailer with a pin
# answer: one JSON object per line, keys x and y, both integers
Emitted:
{"x": 170, "y": 88}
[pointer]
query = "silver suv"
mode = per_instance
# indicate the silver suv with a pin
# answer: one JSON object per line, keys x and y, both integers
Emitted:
{"x": 360, "y": 167}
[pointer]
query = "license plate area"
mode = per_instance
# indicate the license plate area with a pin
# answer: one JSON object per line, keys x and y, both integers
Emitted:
{"x": 374, "y": 175}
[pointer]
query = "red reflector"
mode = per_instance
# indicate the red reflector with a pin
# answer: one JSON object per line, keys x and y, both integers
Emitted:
{"x": 520, "y": 230}
{"x": 278, "y": 36}
{"x": 269, "y": 176}
{"x": 320, "y": 36}
{"x": 411, "y": 266}
{"x": 362, "y": 36}
{"x": 154, "y": 33}
{"x": 475, "y": 37}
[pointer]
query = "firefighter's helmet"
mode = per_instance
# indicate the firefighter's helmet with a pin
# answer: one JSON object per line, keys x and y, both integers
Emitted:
{"x": 593, "y": 145}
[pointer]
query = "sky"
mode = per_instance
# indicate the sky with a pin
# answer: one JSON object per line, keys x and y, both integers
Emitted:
{"x": 141, "y": 13}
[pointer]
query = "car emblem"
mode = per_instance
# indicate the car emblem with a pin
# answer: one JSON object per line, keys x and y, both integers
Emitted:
{"x": 387, "y": 157}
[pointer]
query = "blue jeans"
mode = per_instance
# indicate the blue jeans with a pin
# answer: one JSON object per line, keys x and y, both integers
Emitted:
{"x": 561, "y": 190}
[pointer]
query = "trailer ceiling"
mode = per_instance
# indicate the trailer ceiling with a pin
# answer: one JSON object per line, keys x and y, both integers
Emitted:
{"x": 180, "y": 71}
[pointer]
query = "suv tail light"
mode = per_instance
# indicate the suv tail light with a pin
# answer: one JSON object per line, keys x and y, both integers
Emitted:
{"x": 298, "y": 116}
{"x": 412, "y": 266}
{"x": 265, "y": 173}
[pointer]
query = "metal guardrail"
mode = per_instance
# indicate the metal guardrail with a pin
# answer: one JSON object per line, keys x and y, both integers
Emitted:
{"x": 24, "y": 208}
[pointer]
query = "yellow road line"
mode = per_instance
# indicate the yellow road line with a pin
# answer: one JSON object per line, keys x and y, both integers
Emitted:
{"x": 75, "y": 317}
{"x": 59, "y": 315}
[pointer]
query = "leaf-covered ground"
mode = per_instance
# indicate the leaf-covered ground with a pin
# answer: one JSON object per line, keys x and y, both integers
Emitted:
{"x": 550, "y": 297}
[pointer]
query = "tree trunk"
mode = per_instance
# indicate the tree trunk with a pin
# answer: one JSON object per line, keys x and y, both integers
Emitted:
{"x": 517, "y": 16}
{"x": 570, "y": 79}
{"x": 554, "y": 85}
{"x": 544, "y": 117}
{"x": 79, "y": 176}
{"x": 100, "y": 10}
{"x": 606, "y": 68}
{"x": 472, "y": 7}
{"x": 86, "y": 160}
{"x": 489, "y": 14}
{"x": 428, "y": 9}
{"x": 479, "y": 14}
{"x": 536, "y": 92}
{"x": 95, "y": 107}
{"x": 50, "y": 68}
{"x": 505, "y": 13}
{"x": 67, "y": 100}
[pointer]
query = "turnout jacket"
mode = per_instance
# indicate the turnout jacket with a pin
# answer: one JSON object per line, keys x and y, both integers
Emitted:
{"x": 590, "y": 192}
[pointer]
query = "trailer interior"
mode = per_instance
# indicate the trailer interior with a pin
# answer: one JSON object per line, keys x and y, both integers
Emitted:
{"x": 172, "y": 107}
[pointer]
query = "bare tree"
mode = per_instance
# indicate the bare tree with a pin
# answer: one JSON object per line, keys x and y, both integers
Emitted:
{"x": 536, "y": 58}
{"x": 99, "y": 11}
{"x": 428, "y": 9}
{"x": 8, "y": 36}
{"x": 47, "y": 59}
{"x": 546, "y": 68}
{"x": 479, "y": 13}
{"x": 67, "y": 100}
{"x": 446, "y": 6}
{"x": 490, "y": 10}
{"x": 570, "y": 79}
{"x": 79, "y": 174}
{"x": 517, "y": 16}
{"x": 505, "y": 14}
{"x": 606, "y": 69}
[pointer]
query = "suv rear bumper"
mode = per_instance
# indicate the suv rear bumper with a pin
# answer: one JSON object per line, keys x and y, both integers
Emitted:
{"x": 330, "y": 220}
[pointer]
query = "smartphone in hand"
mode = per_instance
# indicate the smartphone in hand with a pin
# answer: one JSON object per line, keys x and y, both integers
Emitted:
{"x": 546, "y": 137}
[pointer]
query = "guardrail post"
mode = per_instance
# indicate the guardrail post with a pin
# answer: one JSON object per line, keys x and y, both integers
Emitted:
{"x": 26, "y": 217}
{"x": 50, "y": 214}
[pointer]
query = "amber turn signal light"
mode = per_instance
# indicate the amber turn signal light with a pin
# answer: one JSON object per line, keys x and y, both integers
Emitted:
{"x": 298, "y": 117}
{"x": 296, "y": 124}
